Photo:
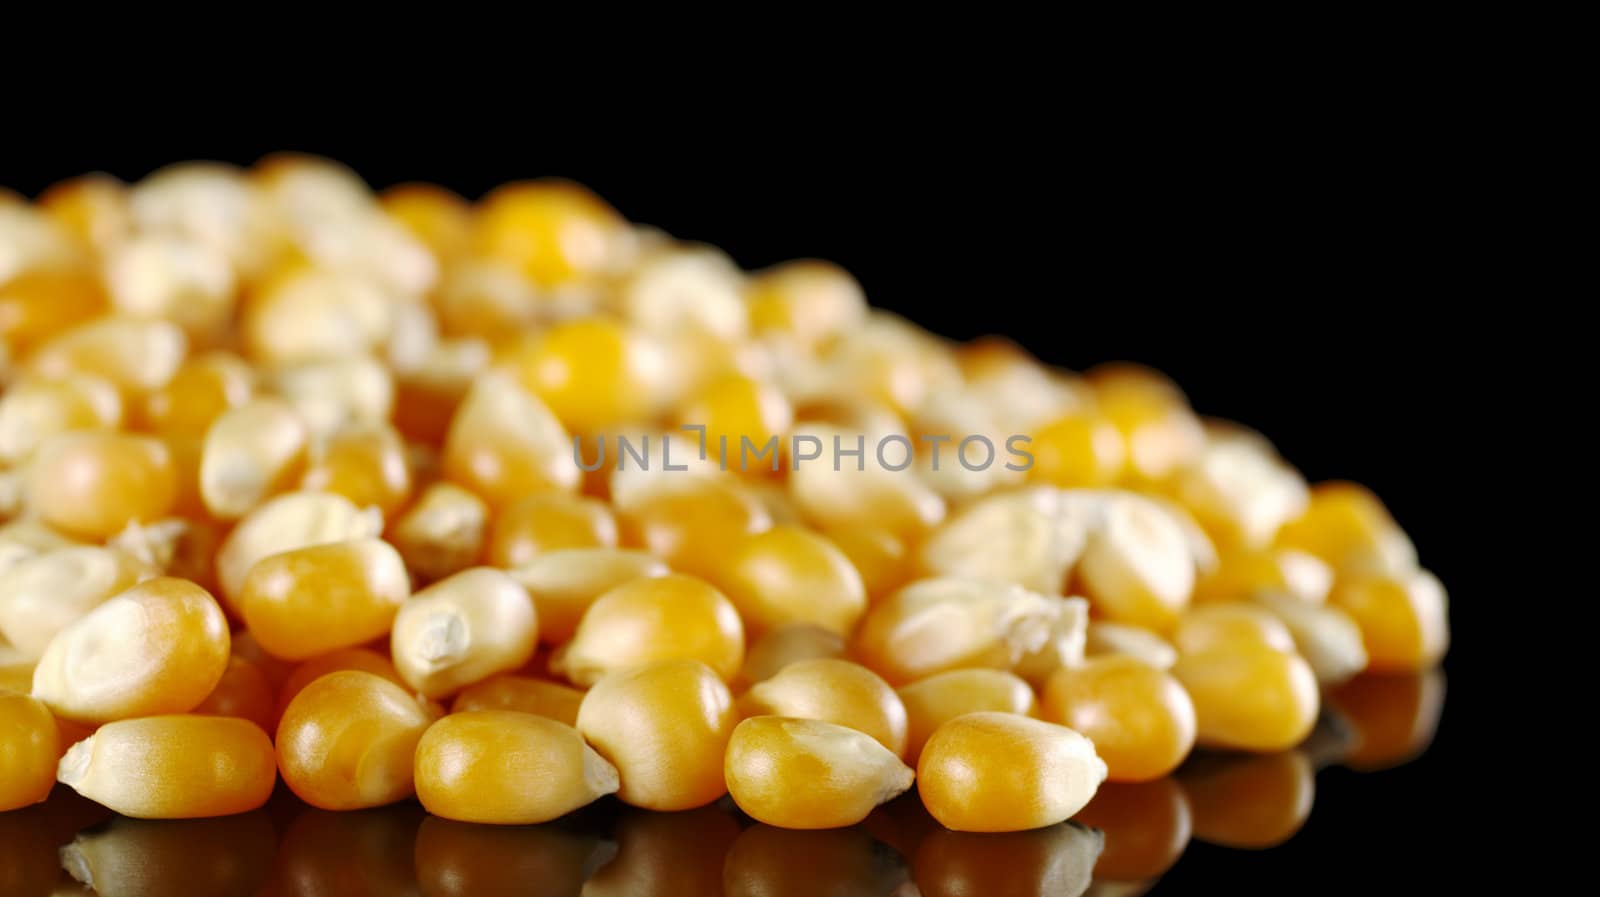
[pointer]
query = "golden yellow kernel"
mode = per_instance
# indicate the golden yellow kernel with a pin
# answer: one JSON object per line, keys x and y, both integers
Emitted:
{"x": 504, "y": 443}
{"x": 332, "y": 394}
{"x": 203, "y": 388}
{"x": 1140, "y": 719}
{"x": 1250, "y": 698}
{"x": 524, "y": 695}
{"x": 940, "y": 698}
{"x": 348, "y": 739}
{"x": 316, "y": 314}
{"x": 507, "y": 768}
{"x": 289, "y": 521}
{"x": 29, "y": 749}
{"x": 552, "y": 521}
{"x": 789, "y": 574}
{"x": 735, "y": 409}
{"x": 242, "y": 693}
{"x": 36, "y": 307}
{"x": 1404, "y": 619}
{"x": 807, "y": 302}
{"x": 137, "y": 356}
{"x": 1242, "y": 574}
{"x": 174, "y": 767}
{"x": 1240, "y": 490}
{"x": 1131, "y": 641}
{"x": 692, "y": 522}
{"x": 46, "y": 593}
{"x": 565, "y": 583}
{"x": 593, "y": 373}
{"x": 1000, "y": 772}
{"x": 1146, "y": 825}
{"x": 366, "y": 464}
{"x": 94, "y": 208}
{"x": 171, "y": 278}
{"x": 833, "y": 691}
{"x": 159, "y": 647}
{"x": 555, "y": 231}
{"x": 1326, "y": 636}
{"x": 1250, "y": 803}
{"x": 1160, "y": 431}
{"x": 364, "y": 660}
{"x": 788, "y": 644}
{"x": 94, "y": 483}
{"x": 463, "y": 629}
{"x": 1349, "y": 528}
{"x": 34, "y": 410}
{"x": 665, "y": 727}
{"x": 881, "y": 557}
{"x": 1235, "y": 626}
{"x": 846, "y": 773}
{"x": 487, "y": 300}
{"x": 251, "y": 453}
{"x": 672, "y": 617}
{"x": 310, "y": 601}
{"x": 1079, "y": 450}
{"x": 439, "y": 218}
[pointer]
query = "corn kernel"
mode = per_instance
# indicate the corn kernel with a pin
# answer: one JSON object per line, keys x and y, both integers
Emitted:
{"x": 882, "y": 558}
{"x": 507, "y": 768}
{"x": 32, "y": 411}
{"x": 347, "y": 741}
{"x": 93, "y": 207}
{"x": 692, "y": 522}
{"x": 439, "y": 218}
{"x": 1250, "y": 698}
{"x": 44, "y": 594}
{"x": 333, "y": 393}
{"x": 137, "y": 356}
{"x": 1349, "y": 528}
{"x": 1140, "y": 719}
{"x": 1021, "y": 537}
{"x": 204, "y": 387}
{"x": 1394, "y": 717}
{"x": 665, "y": 727}
{"x": 37, "y": 307}
{"x": 869, "y": 495}
{"x": 173, "y": 767}
{"x": 1130, "y": 641}
{"x": 833, "y": 691}
{"x": 1250, "y": 803}
{"x": 363, "y": 660}
{"x": 555, "y": 231}
{"x": 1404, "y": 619}
{"x": 846, "y": 773}
{"x": 734, "y": 408}
{"x": 461, "y": 859}
{"x": 313, "y": 600}
{"x": 159, "y": 647}
{"x": 775, "y": 862}
{"x": 289, "y": 521}
{"x": 1059, "y": 860}
{"x": 1000, "y": 772}
{"x": 161, "y": 276}
{"x": 808, "y": 303}
{"x": 785, "y": 645}
{"x": 1242, "y": 574}
{"x": 1241, "y": 491}
{"x": 935, "y": 625}
{"x": 29, "y": 748}
{"x": 1231, "y": 627}
{"x": 1146, "y": 826}
{"x": 1160, "y": 431}
{"x": 92, "y": 483}
{"x": 316, "y": 315}
{"x": 462, "y": 630}
{"x": 428, "y": 394}
{"x": 213, "y": 204}
{"x": 504, "y": 443}
{"x": 565, "y": 583}
{"x": 1137, "y": 567}
{"x": 242, "y": 693}
{"x": 251, "y": 452}
{"x": 549, "y": 522}
{"x": 168, "y": 858}
{"x": 524, "y": 695}
{"x": 651, "y": 619}
{"x": 934, "y": 701}
{"x": 443, "y": 532}
{"x": 1079, "y": 450}
{"x": 789, "y": 574}
{"x": 1327, "y": 637}
{"x": 366, "y": 464}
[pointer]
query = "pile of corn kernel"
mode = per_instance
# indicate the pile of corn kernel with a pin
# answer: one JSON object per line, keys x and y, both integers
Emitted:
{"x": 289, "y": 488}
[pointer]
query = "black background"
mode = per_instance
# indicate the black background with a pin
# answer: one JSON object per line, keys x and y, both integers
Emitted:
{"x": 1313, "y": 284}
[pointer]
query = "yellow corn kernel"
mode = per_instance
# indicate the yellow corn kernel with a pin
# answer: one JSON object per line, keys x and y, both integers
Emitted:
{"x": 1404, "y": 619}
{"x": 160, "y": 276}
{"x": 506, "y": 768}
{"x": 893, "y": 361}
{"x": 1146, "y": 825}
{"x": 37, "y": 307}
{"x": 550, "y": 522}
{"x": 315, "y": 315}
{"x": 1137, "y": 566}
{"x": 789, "y": 644}
{"x": 1021, "y": 537}
{"x": 672, "y": 617}
{"x": 504, "y": 443}
{"x": 1140, "y": 719}
{"x": 808, "y": 303}
{"x": 173, "y": 767}
{"x": 846, "y": 773}
{"x": 1079, "y": 450}
{"x": 833, "y": 691}
{"x": 1394, "y": 717}
{"x": 289, "y": 521}
{"x": 170, "y": 858}
{"x": 463, "y": 629}
{"x": 366, "y": 464}
{"x": 870, "y": 495}
{"x": 1161, "y": 433}
{"x": 666, "y": 854}
{"x": 692, "y": 522}
{"x": 665, "y": 727}
{"x": 1061, "y": 859}
{"x": 789, "y": 574}
{"x": 775, "y": 862}
{"x": 1349, "y": 528}
{"x": 363, "y": 660}
{"x": 159, "y": 647}
{"x": 556, "y": 231}
{"x": 136, "y": 356}
{"x": 210, "y": 203}
{"x": 940, "y": 698}
{"x": 442, "y": 533}
{"x": 487, "y": 300}
{"x": 309, "y": 601}
{"x": 347, "y": 741}
{"x": 594, "y": 373}
{"x": 428, "y": 394}
{"x": 94, "y": 483}
{"x": 248, "y": 650}
{"x": 44, "y": 594}
{"x": 1327, "y": 637}
{"x": 882, "y": 558}
{"x": 251, "y": 453}
{"x": 1000, "y": 772}
{"x": 29, "y": 748}
{"x": 1250, "y": 803}
{"x": 1231, "y": 627}
{"x": 734, "y": 408}
{"x": 439, "y": 218}
{"x": 34, "y": 410}
{"x": 242, "y": 693}
{"x": 1242, "y": 574}
{"x": 934, "y": 625}
{"x": 461, "y": 859}
{"x": 203, "y": 388}
{"x": 1130, "y": 641}
{"x": 565, "y": 583}
{"x": 334, "y": 393}
{"x": 524, "y": 695}
{"x": 1250, "y": 698}
{"x": 93, "y": 207}
{"x": 1240, "y": 490}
